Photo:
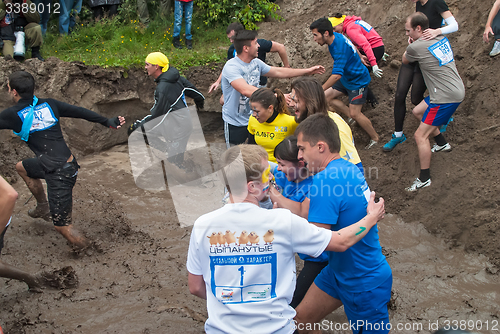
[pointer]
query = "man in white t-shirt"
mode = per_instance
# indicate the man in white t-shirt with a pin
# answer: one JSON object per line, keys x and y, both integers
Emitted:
{"x": 241, "y": 257}
{"x": 240, "y": 78}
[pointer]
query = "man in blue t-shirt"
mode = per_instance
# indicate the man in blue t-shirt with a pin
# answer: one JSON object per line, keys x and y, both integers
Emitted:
{"x": 360, "y": 278}
{"x": 349, "y": 76}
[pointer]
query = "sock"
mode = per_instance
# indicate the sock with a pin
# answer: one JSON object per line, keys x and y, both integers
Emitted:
{"x": 425, "y": 174}
{"x": 440, "y": 140}
{"x": 398, "y": 134}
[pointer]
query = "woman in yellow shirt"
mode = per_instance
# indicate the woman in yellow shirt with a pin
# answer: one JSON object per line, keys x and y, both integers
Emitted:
{"x": 271, "y": 121}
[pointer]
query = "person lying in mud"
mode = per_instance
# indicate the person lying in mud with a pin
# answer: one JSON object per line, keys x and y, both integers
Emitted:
{"x": 169, "y": 135}
{"x": 236, "y": 253}
{"x": 36, "y": 121}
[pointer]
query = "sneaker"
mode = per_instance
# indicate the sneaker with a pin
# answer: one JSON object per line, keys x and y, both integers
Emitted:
{"x": 351, "y": 121}
{"x": 371, "y": 144}
{"x": 445, "y": 148}
{"x": 496, "y": 49}
{"x": 443, "y": 127}
{"x": 41, "y": 211}
{"x": 417, "y": 184}
{"x": 393, "y": 142}
{"x": 177, "y": 43}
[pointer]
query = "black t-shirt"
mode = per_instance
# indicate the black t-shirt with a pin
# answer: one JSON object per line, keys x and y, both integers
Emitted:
{"x": 264, "y": 47}
{"x": 46, "y": 139}
{"x": 433, "y": 9}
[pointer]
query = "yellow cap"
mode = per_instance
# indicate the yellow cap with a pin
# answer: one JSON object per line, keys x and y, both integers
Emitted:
{"x": 336, "y": 20}
{"x": 158, "y": 58}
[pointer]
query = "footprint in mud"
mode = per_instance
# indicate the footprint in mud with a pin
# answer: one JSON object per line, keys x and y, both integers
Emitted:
{"x": 64, "y": 278}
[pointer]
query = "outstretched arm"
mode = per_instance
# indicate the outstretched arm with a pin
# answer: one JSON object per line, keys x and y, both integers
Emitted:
{"x": 284, "y": 72}
{"x": 71, "y": 111}
{"x": 451, "y": 26}
{"x": 491, "y": 16}
{"x": 280, "y": 48}
{"x": 343, "y": 239}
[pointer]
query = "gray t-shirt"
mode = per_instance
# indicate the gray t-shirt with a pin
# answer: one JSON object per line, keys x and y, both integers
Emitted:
{"x": 435, "y": 58}
{"x": 236, "y": 108}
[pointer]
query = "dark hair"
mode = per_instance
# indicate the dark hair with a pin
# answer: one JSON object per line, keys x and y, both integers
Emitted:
{"x": 23, "y": 82}
{"x": 338, "y": 15}
{"x": 274, "y": 97}
{"x": 287, "y": 150}
{"x": 243, "y": 38}
{"x": 234, "y": 26}
{"x": 320, "y": 127}
{"x": 419, "y": 19}
{"x": 323, "y": 24}
{"x": 311, "y": 93}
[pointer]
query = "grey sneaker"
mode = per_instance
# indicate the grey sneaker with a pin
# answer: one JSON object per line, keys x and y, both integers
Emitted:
{"x": 496, "y": 49}
{"x": 417, "y": 184}
{"x": 371, "y": 144}
{"x": 445, "y": 148}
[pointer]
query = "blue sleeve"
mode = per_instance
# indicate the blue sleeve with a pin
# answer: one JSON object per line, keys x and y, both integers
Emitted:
{"x": 339, "y": 53}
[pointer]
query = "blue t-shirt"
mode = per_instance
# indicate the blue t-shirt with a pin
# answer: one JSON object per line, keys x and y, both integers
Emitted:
{"x": 297, "y": 192}
{"x": 346, "y": 62}
{"x": 338, "y": 197}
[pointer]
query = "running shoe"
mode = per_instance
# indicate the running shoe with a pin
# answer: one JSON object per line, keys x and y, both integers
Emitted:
{"x": 371, "y": 144}
{"x": 417, "y": 184}
{"x": 393, "y": 142}
{"x": 443, "y": 127}
{"x": 351, "y": 121}
{"x": 496, "y": 49}
{"x": 445, "y": 148}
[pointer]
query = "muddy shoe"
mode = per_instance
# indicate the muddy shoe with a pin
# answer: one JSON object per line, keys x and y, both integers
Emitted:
{"x": 41, "y": 211}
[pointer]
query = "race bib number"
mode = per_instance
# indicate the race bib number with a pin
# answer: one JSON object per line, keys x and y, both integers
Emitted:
{"x": 243, "y": 278}
{"x": 364, "y": 25}
{"x": 43, "y": 117}
{"x": 442, "y": 51}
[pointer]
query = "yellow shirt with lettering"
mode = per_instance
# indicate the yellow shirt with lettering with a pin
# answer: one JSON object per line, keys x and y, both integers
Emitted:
{"x": 269, "y": 135}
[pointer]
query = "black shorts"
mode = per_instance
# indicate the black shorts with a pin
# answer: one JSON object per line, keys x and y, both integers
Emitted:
{"x": 1, "y": 237}
{"x": 235, "y": 135}
{"x": 60, "y": 185}
{"x": 357, "y": 96}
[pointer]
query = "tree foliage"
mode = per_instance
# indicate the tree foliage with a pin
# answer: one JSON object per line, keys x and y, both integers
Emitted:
{"x": 248, "y": 12}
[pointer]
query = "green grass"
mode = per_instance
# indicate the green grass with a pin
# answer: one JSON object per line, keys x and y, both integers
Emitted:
{"x": 111, "y": 43}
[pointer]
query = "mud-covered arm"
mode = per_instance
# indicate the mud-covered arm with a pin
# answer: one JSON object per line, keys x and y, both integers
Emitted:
{"x": 8, "y": 197}
{"x": 71, "y": 111}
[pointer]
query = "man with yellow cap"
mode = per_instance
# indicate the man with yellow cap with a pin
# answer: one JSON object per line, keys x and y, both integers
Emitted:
{"x": 169, "y": 97}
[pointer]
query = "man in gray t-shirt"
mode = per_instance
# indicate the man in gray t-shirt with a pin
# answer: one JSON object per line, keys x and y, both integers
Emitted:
{"x": 446, "y": 91}
{"x": 240, "y": 78}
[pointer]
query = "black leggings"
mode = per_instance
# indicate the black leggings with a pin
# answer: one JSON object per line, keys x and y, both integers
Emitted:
{"x": 305, "y": 280}
{"x": 409, "y": 75}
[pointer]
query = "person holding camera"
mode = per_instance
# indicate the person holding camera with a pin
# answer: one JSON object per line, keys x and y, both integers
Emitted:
{"x": 19, "y": 27}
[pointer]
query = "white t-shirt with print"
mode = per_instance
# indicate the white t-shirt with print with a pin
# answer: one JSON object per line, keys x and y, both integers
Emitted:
{"x": 246, "y": 256}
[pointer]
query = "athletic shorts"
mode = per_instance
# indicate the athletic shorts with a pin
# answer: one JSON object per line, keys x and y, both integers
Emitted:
{"x": 235, "y": 135}
{"x": 1, "y": 237}
{"x": 367, "y": 309}
{"x": 357, "y": 96}
{"x": 438, "y": 114}
{"x": 60, "y": 185}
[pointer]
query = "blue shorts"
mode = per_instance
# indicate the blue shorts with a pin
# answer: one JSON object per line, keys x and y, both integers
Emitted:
{"x": 438, "y": 114}
{"x": 357, "y": 96}
{"x": 367, "y": 311}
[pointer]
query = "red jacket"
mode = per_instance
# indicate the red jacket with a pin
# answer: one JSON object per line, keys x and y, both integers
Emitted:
{"x": 363, "y": 36}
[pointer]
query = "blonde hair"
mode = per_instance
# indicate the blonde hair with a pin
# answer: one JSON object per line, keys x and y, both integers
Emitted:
{"x": 240, "y": 165}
